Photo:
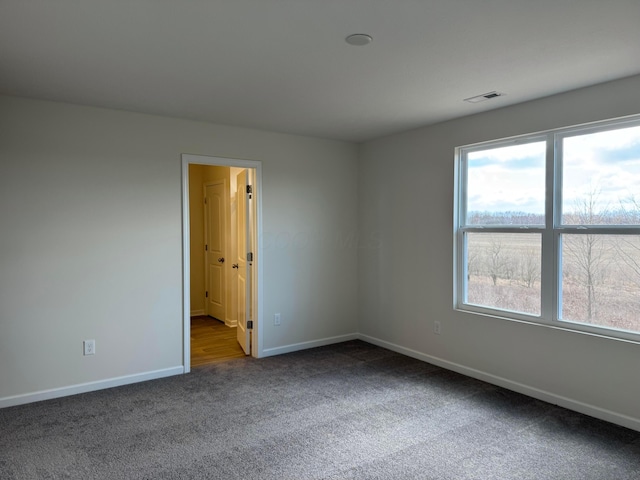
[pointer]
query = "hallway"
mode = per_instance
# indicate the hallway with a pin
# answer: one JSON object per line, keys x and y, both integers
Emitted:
{"x": 212, "y": 342}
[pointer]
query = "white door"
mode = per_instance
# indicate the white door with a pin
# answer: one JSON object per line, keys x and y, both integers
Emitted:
{"x": 214, "y": 239}
{"x": 244, "y": 267}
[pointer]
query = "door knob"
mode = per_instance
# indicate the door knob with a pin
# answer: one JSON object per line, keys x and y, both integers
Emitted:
{"x": 221, "y": 259}
{"x": 235, "y": 265}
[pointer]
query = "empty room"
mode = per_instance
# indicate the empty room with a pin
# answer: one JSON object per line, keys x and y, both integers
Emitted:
{"x": 416, "y": 224}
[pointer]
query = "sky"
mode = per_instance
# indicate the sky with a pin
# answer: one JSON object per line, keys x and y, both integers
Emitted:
{"x": 512, "y": 178}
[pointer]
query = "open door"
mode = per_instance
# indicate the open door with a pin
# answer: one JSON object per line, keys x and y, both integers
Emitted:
{"x": 244, "y": 261}
{"x": 251, "y": 339}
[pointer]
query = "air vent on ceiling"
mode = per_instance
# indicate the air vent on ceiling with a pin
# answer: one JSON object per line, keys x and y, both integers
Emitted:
{"x": 483, "y": 97}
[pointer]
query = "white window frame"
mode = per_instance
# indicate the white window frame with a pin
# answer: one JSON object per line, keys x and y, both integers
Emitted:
{"x": 551, "y": 266}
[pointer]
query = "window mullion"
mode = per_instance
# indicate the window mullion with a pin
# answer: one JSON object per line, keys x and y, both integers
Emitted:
{"x": 548, "y": 268}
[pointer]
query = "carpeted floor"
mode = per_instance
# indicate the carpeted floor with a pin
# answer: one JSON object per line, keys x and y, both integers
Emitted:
{"x": 348, "y": 411}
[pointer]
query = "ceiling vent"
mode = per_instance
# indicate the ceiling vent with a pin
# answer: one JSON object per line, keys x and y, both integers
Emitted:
{"x": 483, "y": 97}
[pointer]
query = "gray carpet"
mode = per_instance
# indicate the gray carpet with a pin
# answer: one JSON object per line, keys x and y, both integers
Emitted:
{"x": 348, "y": 411}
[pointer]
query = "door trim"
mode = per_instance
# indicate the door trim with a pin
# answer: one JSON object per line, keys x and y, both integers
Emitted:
{"x": 188, "y": 159}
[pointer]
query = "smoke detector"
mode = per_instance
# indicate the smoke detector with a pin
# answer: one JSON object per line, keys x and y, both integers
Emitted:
{"x": 359, "y": 39}
{"x": 483, "y": 97}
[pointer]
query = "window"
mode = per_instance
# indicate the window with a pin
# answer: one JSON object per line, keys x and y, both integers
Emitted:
{"x": 548, "y": 228}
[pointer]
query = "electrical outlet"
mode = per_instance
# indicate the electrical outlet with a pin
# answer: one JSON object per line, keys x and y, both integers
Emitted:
{"x": 276, "y": 319}
{"x": 437, "y": 328}
{"x": 89, "y": 347}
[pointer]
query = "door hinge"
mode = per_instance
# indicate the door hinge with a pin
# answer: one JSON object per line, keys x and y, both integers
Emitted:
{"x": 250, "y": 257}
{"x": 206, "y": 248}
{"x": 205, "y": 200}
{"x": 250, "y": 190}
{"x": 206, "y": 294}
{"x": 250, "y": 324}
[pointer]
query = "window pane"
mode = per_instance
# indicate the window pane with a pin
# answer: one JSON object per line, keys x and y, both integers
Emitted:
{"x": 601, "y": 178}
{"x": 503, "y": 271}
{"x": 505, "y": 185}
{"x": 601, "y": 280}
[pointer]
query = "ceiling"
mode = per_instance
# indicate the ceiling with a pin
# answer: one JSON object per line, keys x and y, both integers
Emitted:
{"x": 283, "y": 65}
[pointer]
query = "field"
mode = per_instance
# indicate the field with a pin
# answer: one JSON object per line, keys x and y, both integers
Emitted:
{"x": 600, "y": 276}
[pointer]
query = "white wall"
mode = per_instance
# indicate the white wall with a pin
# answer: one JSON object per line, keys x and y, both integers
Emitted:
{"x": 90, "y": 240}
{"x": 406, "y": 278}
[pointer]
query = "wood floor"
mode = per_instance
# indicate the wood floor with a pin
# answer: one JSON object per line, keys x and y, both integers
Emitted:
{"x": 212, "y": 342}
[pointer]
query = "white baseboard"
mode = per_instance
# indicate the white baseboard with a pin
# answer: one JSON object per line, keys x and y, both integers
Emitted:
{"x": 88, "y": 387}
{"x": 231, "y": 323}
{"x": 568, "y": 403}
{"x": 268, "y": 352}
{"x": 196, "y": 313}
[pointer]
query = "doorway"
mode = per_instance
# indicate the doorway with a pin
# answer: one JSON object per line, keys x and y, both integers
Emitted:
{"x": 213, "y": 342}
{"x": 241, "y": 265}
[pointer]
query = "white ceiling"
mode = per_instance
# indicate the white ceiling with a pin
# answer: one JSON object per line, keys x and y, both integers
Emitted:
{"x": 283, "y": 65}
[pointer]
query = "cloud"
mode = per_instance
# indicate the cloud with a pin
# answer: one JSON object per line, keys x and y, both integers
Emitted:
{"x": 512, "y": 178}
{"x": 606, "y": 163}
{"x": 524, "y": 163}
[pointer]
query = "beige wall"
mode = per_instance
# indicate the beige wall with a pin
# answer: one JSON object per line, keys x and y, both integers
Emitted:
{"x": 91, "y": 241}
{"x": 199, "y": 175}
{"x": 406, "y": 194}
{"x": 196, "y": 233}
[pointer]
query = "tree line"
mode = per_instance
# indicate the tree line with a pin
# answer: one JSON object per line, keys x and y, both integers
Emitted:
{"x": 590, "y": 260}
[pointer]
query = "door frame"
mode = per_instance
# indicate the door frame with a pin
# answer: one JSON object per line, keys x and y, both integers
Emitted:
{"x": 188, "y": 159}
